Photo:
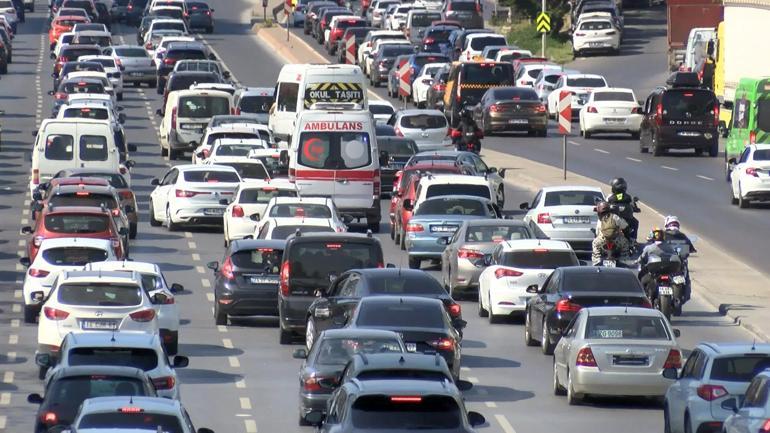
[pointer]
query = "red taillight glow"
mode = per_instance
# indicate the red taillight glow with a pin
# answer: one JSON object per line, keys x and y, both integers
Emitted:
{"x": 126, "y": 195}
{"x": 186, "y": 194}
{"x": 398, "y": 131}
{"x": 540, "y": 108}
{"x": 711, "y": 392}
{"x": 715, "y": 111}
{"x": 753, "y": 137}
{"x": 592, "y": 109}
{"x": 143, "y": 315}
{"x": 765, "y": 426}
{"x": 504, "y": 272}
{"x": 54, "y": 314}
{"x": 173, "y": 118}
{"x": 454, "y": 310}
{"x": 166, "y": 382}
{"x": 61, "y": 96}
{"x": 443, "y": 343}
{"x": 467, "y": 253}
{"x": 674, "y": 359}
{"x": 544, "y": 218}
{"x": 414, "y": 228}
{"x": 406, "y": 399}
{"x": 566, "y": 306}
{"x": 284, "y": 278}
{"x": 311, "y": 384}
{"x": 495, "y": 108}
{"x": 130, "y": 409}
{"x": 751, "y": 171}
{"x": 237, "y": 212}
{"x": 585, "y": 358}
{"x": 49, "y": 418}
{"x": 227, "y": 269}
{"x": 659, "y": 114}
{"x": 38, "y": 273}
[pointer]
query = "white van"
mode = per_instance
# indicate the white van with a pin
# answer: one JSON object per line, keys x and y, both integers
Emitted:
{"x": 73, "y": 143}
{"x": 334, "y": 153}
{"x": 301, "y": 85}
{"x": 186, "y": 116}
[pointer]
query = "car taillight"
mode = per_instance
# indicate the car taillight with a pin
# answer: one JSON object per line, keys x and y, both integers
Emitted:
{"x": 376, "y": 185}
{"x": 495, "y": 108}
{"x": 398, "y": 131}
{"x": 544, "y": 218}
{"x": 148, "y": 45}
{"x": 173, "y": 118}
{"x": 166, "y": 382}
{"x": 592, "y": 109}
{"x": 54, "y": 314}
{"x": 237, "y": 212}
{"x": 566, "y": 306}
{"x": 454, "y": 310}
{"x": 503, "y": 272}
{"x": 585, "y": 358}
{"x": 186, "y": 194}
{"x": 37, "y": 241}
{"x": 284, "y": 278}
{"x": 467, "y": 253}
{"x": 753, "y": 137}
{"x": 443, "y": 343}
{"x": 540, "y": 108}
{"x": 659, "y": 114}
{"x": 208, "y": 12}
{"x": 227, "y": 269}
{"x": 580, "y": 34}
{"x": 711, "y": 392}
{"x": 751, "y": 171}
{"x": 478, "y": 6}
{"x": 674, "y": 359}
{"x": 715, "y": 111}
{"x": 49, "y": 418}
{"x": 38, "y": 273}
{"x": 36, "y": 176}
{"x": 636, "y": 110}
{"x": 60, "y": 96}
{"x": 428, "y": 41}
{"x": 439, "y": 87}
{"x": 143, "y": 315}
{"x": 414, "y": 228}
{"x": 126, "y": 195}
{"x": 455, "y": 133}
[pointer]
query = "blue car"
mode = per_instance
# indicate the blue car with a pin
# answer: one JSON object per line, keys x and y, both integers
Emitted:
{"x": 437, "y": 218}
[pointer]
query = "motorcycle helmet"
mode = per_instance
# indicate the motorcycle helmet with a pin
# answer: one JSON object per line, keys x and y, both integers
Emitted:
{"x": 671, "y": 223}
{"x": 619, "y": 185}
{"x": 602, "y": 208}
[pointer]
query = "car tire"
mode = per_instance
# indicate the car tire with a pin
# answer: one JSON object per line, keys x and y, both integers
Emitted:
{"x": 30, "y": 313}
{"x": 586, "y": 134}
{"x": 153, "y": 221}
{"x": 493, "y": 318}
{"x": 310, "y": 334}
{"x": 573, "y": 398}
{"x": 173, "y": 155}
{"x": 120, "y": 96}
{"x": 714, "y": 149}
{"x": 557, "y": 388}
{"x": 163, "y": 151}
{"x": 414, "y": 262}
{"x": 402, "y": 241}
{"x": 172, "y": 226}
{"x": 172, "y": 347}
{"x": 528, "y": 340}
{"x": 153, "y": 83}
{"x": 303, "y": 422}
{"x": 220, "y": 318}
{"x": 546, "y": 346}
{"x": 397, "y": 236}
{"x": 733, "y": 198}
{"x": 657, "y": 150}
{"x": 483, "y": 312}
{"x": 284, "y": 336}
{"x": 132, "y": 229}
{"x": 642, "y": 147}
{"x": 742, "y": 202}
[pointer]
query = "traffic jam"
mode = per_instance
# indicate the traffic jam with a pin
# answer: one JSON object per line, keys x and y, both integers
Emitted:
{"x": 366, "y": 227}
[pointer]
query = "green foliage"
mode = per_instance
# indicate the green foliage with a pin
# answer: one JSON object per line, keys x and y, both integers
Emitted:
{"x": 557, "y": 47}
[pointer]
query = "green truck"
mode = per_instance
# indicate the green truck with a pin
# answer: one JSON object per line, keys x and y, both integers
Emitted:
{"x": 750, "y": 121}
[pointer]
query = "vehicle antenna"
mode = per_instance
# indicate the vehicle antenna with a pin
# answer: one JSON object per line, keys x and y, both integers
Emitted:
{"x": 754, "y": 344}
{"x": 112, "y": 339}
{"x": 131, "y": 399}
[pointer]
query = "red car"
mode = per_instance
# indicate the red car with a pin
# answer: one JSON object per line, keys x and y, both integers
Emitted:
{"x": 336, "y": 31}
{"x": 76, "y": 221}
{"x": 61, "y": 25}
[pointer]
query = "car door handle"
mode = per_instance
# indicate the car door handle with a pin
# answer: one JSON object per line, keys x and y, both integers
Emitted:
{"x": 341, "y": 180}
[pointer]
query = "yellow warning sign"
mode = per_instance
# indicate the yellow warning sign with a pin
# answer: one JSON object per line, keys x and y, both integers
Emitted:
{"x": 543, "y": 23}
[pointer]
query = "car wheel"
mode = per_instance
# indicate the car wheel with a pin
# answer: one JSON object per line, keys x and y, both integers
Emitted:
{"x": 153, "y": 221}
{"x": 543, "y": 132}
{"x": 528, "y": 340}
{"x": 586, "y": 134}
{"x": 414, "y": 262}
{"x": 310, "y": 333}
{"x": 493, "y": 318}
{"x": 733, "y": 199}
{"x": 742, "y": 202}
{"x": 714, "y": 149}
{"x": 501, "y": 196}
{"x": 642, "y": 147}
{"x": 573, "y": 398}
{"x": 557, "y": 388}
{"x": 483, "y": 312}
{"x": 172, "y": 226}
{"x": 30, "y": 314}
{"x": 545, "y": 341}
{"x": 220, "y": 318}
{"x": 397, "y": 236}
{"x": 666, "y": 419}
{"x": 132, "y": 229}
{"x": 402, "y": 241}
{"x": 657, "y": 150}
{"x": 687, "y": 426}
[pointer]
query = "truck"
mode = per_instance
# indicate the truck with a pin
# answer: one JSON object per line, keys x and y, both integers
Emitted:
{"x": 683, "y": 16}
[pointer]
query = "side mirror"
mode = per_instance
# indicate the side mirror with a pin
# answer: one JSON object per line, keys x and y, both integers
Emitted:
{"x": 459, "y": 323}
{"x": 224, "y": 202}
{"x": 255, "y": 217}
{"x": 670, "y": 373}
{"x": 730, "y": 404}
{"x": 408, "y": 204}
{"x": 159, "y": 299}
{"x": 132, "y": 148}
{"x": 524, "y": 206}
{"x": 476, "y": 419}
{"x": 128, "y": 209}
{"x": 155, "y": 182}
{"x": 532, "y": 288}
{"x": 123, "y": 231}
{"x": 176, "y": 288}
{"x": 35, "y": 398}
{"x": 180, "y": 361}
{"x": 26, "y": 230}
{"x": 677, "y": 333}
{"x": 464, "y": 385}
{"x": 43, "y": 360}
{"x": 732, "y": 161}
{"x": 214, "y": 266}
{"x": 491, "y": 170}
{"x": 299, "y": 354}
{"x": 315, "y": 418}
{"x": 347, "y": 218}
{"x": 158, "y": 113}
{"x": 121, "y": 118}
{"x": 25, "y": 261}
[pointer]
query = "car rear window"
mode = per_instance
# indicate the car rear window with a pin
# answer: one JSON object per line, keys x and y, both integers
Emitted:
{"x": 381, "y": 412}
{"x": 115, "y": 179}
{"x": 72, "y": 391}
{"x": 300, "y": 210}
{"x": 248, "y": 170}
{"x": 211, "y": 138}
{"x": 283, "y": 232}
{"x": 93, "y": 148}
{"x": 74, "y": 53}
{"x": 458, "y": 189}
{"x": 267, "y": 260}
{"x": 438, "y": 35}
{"x": 263, "y": 195}
{"x": 59, "y": 147}
{"x": 143, "y": 359}
{"x": 77, "y": 224}
{"x": 596, "y": 25}
{"x": 424, "y": 121}
{"x": 424, "y": 19}
{"x": 403, "y": 374}
{"x": 573, "y": 198}
{"x": 203, "y": 106}
{"x": 586, "y": 82}
{"x": 338, "y": 351}
{"x": 255, "y": 104}
{"x": 335, "y": 150}
{"x": 169, "y": 26}
{"x": 74, "y": 256}
{"x": 396, "y": 50}
{"x": 761, "y": 155}
{"x": 510, "y": 57}
{"x": 601, "y": 282}
{"x": 688, "y": 103}
{"x": 405, "y": 285}
{"x": 142, "y": 421}
{"x": 625, "y": 327}
{"x": 102, "y": 41}
{"x": 100, "y": 294}
{"x": 478, "y": 43}
{"x": 211, "y": 176}
{"x": 176, "y": 53}
{"x": 489, "y": 233}
{"x": 739, "y": 368}
{"x": 86, "y": 113}
{"x": 403, "y": 314}
{"x": 313, "y": 263}
{"x": 614, "y": 96}
{"x": 82, "y": 87}
{"x": 236, "y": 149}
{"x": 516, "y": 94}
{"x": 84, "y": 198}
{"x": 539, "y": 259}
{"x": 197, "y": 65}
{"x": 131, "y": 52}
{"x": 451, "y": 206}
{"x": 197, "y": 6}
{"x": 398, "y": 146}
{"x": 488, "y": 73}
{"x": 180, "y": 82}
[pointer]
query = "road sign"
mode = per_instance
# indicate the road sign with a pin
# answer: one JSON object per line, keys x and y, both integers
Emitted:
{"x": 564, "y": 110}
{"x": 350, "y": 49}
{"x": 543, "y": 23}
{"x": 405, "y": 80}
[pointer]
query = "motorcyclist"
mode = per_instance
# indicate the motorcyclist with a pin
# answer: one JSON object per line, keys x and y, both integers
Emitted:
{"x": 675, "y": 236}
{"x": 656, "y": 246}
{"x": 619, "y": 198}
{"x": 468, "y": 131}
{"x": 609, "y": 226}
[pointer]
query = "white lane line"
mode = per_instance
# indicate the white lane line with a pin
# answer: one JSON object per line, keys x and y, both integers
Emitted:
{"x": 473, "y": 380}
{"x": 19, "y": 267}
{"x": 601, "y": 151}
{"x": 22, "y": 242}
{"x": 17, "y": 293}
{"x": 205, "y": 282}
{"x": 227, "y": 343}
{"x": 491, "y": 404}
{"x": 5, "y": 399}
{"x": 13, "y": 339}
{"x": 221, "y": 328}
{"x": 233, "y": 361}
{"x": 200, "y": 269}
{"x": 669, "y": 168}
{"x": 192, "y": 245}
{"x": 196, "y": 257}
{"x": 699, "y": 176}
{"x": 503, "y": 421}
{"x": 245, "y": 403}
{"x": 240, "y": 384}
{"x": 210, "y": 297}
{"x": 16, "y": 308}
{"x": 188, "y": 234}
{"x": 8, "y": 377}
{"x": 3, "y": 420}
{"x": 633, "y": 159}
{"x": 574, "y": 143}
{"x": 251, "y": 425}
{"x": 15, "y": 323}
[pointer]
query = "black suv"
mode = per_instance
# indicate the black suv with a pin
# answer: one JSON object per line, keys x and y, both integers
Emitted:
{"x": 681, "y": 115}
{"x": 246, "y": 282}
{"x": 310, "y": 262}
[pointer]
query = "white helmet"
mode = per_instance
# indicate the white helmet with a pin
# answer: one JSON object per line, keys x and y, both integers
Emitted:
{"x": 671, "y": 223}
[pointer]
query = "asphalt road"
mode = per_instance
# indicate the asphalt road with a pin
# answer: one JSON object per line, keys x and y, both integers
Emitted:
{"x": 240, "y": 379}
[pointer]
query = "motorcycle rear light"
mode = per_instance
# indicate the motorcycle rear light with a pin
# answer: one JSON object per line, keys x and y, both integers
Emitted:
{"x": 664, "y": 278}
{"x": 455, "y": 133}
{"x": 414, "y": 228}
{"x": 503, "y": 273}
{"x": 585, "y": 358}
{"x": 237, "y": 212}
{"x": 566, "y": 306}
{"x": 38, "y": 273}
{"x": 711, "y": 392}
{"x": 674, "y": 359}
{"x": 227, "y": 269}
{"x": 592, "y": 109}
{"x": 143, "y": 315}
{"x": 55, "y": 314}
{"x": 443, "y": 343}
{"x": 49, "y": 418}
{"x": 751, "y": 171}
{"x": 544, "y": 218}
{"x": 753, "y": 137}
{"x": 467, "y": 253}
{"x": 284, "y": 278}
{"x": 166, "y": 382}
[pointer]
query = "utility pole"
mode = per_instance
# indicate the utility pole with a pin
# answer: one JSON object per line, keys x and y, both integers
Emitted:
{"x": 542, "y": 43}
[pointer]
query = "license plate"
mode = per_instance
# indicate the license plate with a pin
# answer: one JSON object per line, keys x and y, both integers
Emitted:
{"x": 577, "y": 220}
{"x": 665, "y": 290}
{"x": 257, "y": 280}
{"x": 519, "y": 121}
{"x": 214, "y": 211}
{"x": 443, "y": 229}
{"x": 99, "y": 325}
{"x": 135, "y": 74}
{"x": 191, "y": 126}
{"x": 411, "y": 347}
{"x": 679, "y": 279}
{"x": 614, "y": 120}
{"x": 688, "y": 134}
{"x": 609, "y": 263}
{"x": 596, "y": 44}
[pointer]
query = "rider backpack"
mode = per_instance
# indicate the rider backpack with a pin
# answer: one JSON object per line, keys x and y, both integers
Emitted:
{"x": 610, "y": 227}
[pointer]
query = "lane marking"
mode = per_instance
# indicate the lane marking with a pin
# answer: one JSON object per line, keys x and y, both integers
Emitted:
{"x": 465, "y": 369}
{"x": 473, "y": 380}
{"x": 11, "y": 357}
{"x": 16, "y": 308}
{"x": 17, "y": 293}
{"x": 15, "y": 323}
{"x": 240, "y": 384}
{"x": 192, "y": 245}
{"x": 210, "y": 297}
{"x": 5, "y": 399}
{"x": 8, "y": 377}
{"x": 703, "y": 177}
{"x": 633, "y": 159}
{"x": 221, "y": 328}
{"x": 503, "y": 421}
{"x": 205, "y": 282}
{"x": 491, "y": 404}
{"x": 601, "y": 151}
{"x": 3, "y": 420}
{"x": 574, "y": 143}
{"x": 245, "y": 403}
{"x": 196, "y": 257}
{"x": 13, "y": 339}
{"x": 233, "y": 361}
{"x": 227, "y": 343}
{"x": 251, "y": 425}
{"x": 200, "y": 269}
{"x": 669, "y": 168}
{"x": 22, "y": 242}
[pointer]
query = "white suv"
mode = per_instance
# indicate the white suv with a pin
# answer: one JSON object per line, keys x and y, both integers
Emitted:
{"x": 251, "y": 199}
{"x": 302, "y": 208}
{"x": 453, "y": 184}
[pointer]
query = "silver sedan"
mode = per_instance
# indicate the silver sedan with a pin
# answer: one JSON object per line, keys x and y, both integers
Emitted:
{"x": 754, "y": 412}
{"x": 618, "y": 351}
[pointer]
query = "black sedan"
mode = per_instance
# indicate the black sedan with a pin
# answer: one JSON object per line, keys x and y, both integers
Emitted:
{"x": 383, "y": 61}
{"x": 399, "y": 150}
{"x": 200, "y": 16}
{"x": 320, "y": 372}
{"x": 247, "y": 280}
{"x": 511, "y": 109}
{"x": 423, "y": 323}
{"x": 571, "y": 288}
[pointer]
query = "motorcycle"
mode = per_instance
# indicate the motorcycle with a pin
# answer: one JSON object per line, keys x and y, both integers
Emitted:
{"x": 666, "y": 286}
{"x": 627, "y": 211}
{"x": 468, "y": 140}
{"x": 610, "y": 255}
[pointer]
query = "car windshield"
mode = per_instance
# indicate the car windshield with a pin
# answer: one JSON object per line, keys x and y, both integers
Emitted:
{"x": 488, "y": 73}
{"x": 596, "y": 25}
{"x": 458, "y": 189}
{"x": 138, "y": 421}
{"x": 626, "y": 327}
{"x": 424, "y": 19}
{"x": 478, "y": 43}
{"x": 203, "y": 106}
{"x": 452, "y": 206}
{"x": 399, "y": 146}
{"x": 739, "y": 368}
{"x": 73, "y": 390}
{"x": 573, "y": 198}
{"x": 424, "y": 121}
{"x": 74, "y": 256}
{"x": 301, "y": 210}
{"x": 131, "y": 52}
{"x": 401, "y": 314}
{"x": 263, "y": 195}
{"x": 143, "y": 359}
{"x": 763, "y": 114}
{"x": 84, "y": 198}
{"x": 100, "y": 294}
{"x": 422, "y": 284}
{"x": 614, "y": 96}
{"x": 381, "y": 109}
{"x": 283, "y": 232}
{"x": 539, "y": 259}
{"x": 688, "y": 103}
{"x": 248, "y": 170}
{"x": 586, "y": 82}
{"x": 211, "y": 176}
{"x": 256, "y": 104}
{"x": 267, "y": 260}
{"x": 74, "y": 223}
{"x": 338, "y": 351}
{"x": 381, "y": 412}
{"x": 496, "y": 233}
{"x": 601, "y": 282}
{"x": 334, "y": 150}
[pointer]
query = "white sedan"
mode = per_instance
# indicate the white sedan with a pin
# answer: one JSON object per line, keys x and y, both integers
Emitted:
{"x": 750, "y": 175}
{"x": 423, "y": 82}
{"x": 302, "y": 208}
{"x": 251, "y": 199}
{"x": 579, "y": 85}
{"x": 282, "y": 228}
{"x": 595, "y": 34}
{"x": 505, "y": 285}
{"x": 611, "y": 110}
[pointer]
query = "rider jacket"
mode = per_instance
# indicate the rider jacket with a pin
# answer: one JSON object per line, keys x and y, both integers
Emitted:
{"x": 654, "y": 249}
{"x": 681, "y": 237}
{"x": 624, "y": 203}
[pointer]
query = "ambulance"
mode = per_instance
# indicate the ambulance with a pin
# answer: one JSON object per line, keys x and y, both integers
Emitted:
{"x": 334, "y": 153}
